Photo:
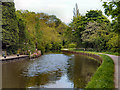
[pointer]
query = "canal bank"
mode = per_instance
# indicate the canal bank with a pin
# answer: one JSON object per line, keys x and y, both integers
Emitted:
{"x": 104, "y": 76}
{"x": 13, "y": 57}
{"x": 51, "y": 70}
{"x": 96, "y": 57}
{"x": 18, "y": 56}
{"x": 117, "y": 69}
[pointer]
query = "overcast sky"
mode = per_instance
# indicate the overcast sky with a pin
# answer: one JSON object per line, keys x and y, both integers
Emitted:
{"x": 63, "y": 9}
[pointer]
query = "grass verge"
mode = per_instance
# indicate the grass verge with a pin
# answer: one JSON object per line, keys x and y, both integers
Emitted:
{"x": 104, "y": 76}
{"x": 112, "y": 53}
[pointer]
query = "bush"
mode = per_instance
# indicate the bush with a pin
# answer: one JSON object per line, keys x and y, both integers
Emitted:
{"x": 72, "y": 45}
{"x": 48, "y": 47}
{"x": 56, "y": 46}
{"x": 42, "y": 49}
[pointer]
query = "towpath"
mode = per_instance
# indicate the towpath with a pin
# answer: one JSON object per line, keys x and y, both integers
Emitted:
{"x": 13, "y": 57}
{"x": 116, "y": 60}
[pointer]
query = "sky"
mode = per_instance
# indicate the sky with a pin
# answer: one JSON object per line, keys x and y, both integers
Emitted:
{"x": 63, "y": 9}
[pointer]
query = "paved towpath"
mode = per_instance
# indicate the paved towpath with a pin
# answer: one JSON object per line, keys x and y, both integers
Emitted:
{"x": 116, "y": 60}
{"x": 13, "y": 57}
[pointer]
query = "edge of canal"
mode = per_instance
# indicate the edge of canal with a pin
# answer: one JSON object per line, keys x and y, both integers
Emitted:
{"x": 98, "y": 80}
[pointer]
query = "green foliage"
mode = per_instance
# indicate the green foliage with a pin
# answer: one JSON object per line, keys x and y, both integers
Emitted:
{"x": 40, "y": 47}
{"x": 21, "y": 26}
{"x": 76, "y": 11}
{"x": 103, "y": 77}
{"x": 42, "y": 31}
{"x": 113, "y": 9}
{"x": 76, "y": 27}
{"x": 113, "y": 43}
{"x": 94, "y": 30}
{"x": 96, "y": 15}
{"x": 56, "y": 46}
{"x": 95, "y": 36}
{"x": 72, "y": 45}
{"x": 26, "y": 30}
{"x": 10, "y": 31}
{"x": 48, "y": 47}
{"x": 29, "y": 30}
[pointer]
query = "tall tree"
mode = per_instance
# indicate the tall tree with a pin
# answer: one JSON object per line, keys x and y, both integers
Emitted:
{"x": 95, "y": 36}
{"x": 112, "y": 8}
{"x": 9, "y": 26}
{"x": 76, "y": 26}
{"x": 76, "y": 11}
{"x": 96, "y": 15}
{"x": 21, "y": 26}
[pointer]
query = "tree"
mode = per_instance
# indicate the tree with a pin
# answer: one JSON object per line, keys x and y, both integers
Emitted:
{"x": 40, "y": 30}
{"x": 112, "y": 8}
{"x": 113, "y": 43}
{"x": 76, "y": 11}
{"x": 96, "y": 15}
{"x": 21, "y": 26}
{"x": 95, "y": 36}
{"x": 10, "y": 29}
{"x": 77, "y": 26}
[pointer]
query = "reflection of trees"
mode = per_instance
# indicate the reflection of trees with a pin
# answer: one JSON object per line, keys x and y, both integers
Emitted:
{"x": 80, "y": 70}
{"x": 44, "y": 78}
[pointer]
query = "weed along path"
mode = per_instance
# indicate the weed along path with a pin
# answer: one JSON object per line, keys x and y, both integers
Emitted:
{"x": 117, "y": 70}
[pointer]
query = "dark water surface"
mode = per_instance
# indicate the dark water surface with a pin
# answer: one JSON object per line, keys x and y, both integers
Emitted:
{"x": 49, "y": 71}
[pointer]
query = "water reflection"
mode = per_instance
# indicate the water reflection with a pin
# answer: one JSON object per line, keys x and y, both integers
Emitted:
{"x": 80, "y": 70}
{"x": 46, "y": 64}
{"x": 49, "y": 71}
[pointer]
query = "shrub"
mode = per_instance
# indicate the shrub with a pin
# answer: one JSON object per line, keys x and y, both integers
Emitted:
{"x": 72, "y": 45}
{"x": 56, "y": 46}
{"x": 42, "y": 49}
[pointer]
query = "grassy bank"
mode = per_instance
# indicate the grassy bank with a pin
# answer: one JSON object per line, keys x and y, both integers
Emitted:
{"x": 81, "y": 50}
{"x": 112, "y": 53}
{"x": 104, "y": 76}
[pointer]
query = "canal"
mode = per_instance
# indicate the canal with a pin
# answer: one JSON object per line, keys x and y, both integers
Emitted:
{"x": 52, "y": 70}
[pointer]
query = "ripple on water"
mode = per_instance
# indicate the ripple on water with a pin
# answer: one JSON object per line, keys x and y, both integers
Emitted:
{"x": 47, "y": 63}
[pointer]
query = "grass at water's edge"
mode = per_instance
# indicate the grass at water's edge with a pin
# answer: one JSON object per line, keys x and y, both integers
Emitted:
{"x": 112, "y": 53}
{"x": 104, "y": 76}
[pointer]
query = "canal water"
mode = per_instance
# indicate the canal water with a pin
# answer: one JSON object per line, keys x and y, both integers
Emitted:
{"x": 49, "y": 71}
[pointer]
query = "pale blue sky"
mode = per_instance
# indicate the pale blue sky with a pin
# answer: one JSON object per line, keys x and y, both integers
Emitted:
{"x": 63, "y": 9}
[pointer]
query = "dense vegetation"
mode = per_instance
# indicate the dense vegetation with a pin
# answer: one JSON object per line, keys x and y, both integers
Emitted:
{"x": 24, "y": 31}
{"x": 9, "y": 27}
{"x": 94, "y": 30}
{"x": 39, "y": 30}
